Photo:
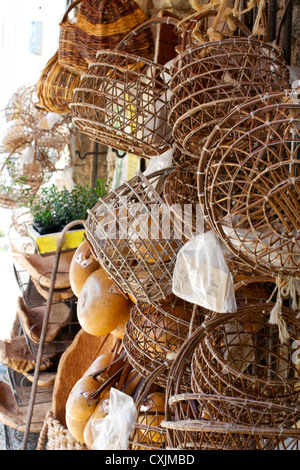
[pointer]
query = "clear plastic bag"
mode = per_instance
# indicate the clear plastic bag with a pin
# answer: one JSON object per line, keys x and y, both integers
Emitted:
{"x": 113, "y": 431}
{"x": 201, "y": 275}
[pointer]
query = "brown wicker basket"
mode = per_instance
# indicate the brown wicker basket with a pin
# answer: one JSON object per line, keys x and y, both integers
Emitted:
{"x": 123, "y": 100}
{"x": 248, "y": 183}
{"x": 208, "y": 80}
{"x": 132, "y": 235}
{"x": 102, "y": 25}
{"x": 155, "y": 333}
{"x": 69, "y": 56}
{"x": 148, "y": 433}
{"x": 55, "y": 87}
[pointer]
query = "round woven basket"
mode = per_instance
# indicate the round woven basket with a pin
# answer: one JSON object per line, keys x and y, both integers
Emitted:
{"x": 123, "y": 100}
{"x": 55, "y": 87}
{"x": 155, "y": 333}
{"x": 69, "y": 56}
{"x": 132, "y": 235}
{"x": 248, "y": 183}
{"x": 208, "y": 80}
{"x": 102, "y": 25}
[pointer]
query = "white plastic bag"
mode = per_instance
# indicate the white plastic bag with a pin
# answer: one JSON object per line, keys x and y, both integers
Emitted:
{"x": 113, "y": 431}
{"x": 201, "y": 275}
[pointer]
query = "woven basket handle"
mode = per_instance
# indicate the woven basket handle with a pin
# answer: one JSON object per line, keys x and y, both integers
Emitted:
{"x": 70, "y": 8}
{"x": 187, "y": 34}
{"x": 145, "y": 25}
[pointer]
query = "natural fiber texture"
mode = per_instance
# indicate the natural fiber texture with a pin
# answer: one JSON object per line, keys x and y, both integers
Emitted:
{"x": 54, "y": 436}
{"x": 248, "y": 183}
{"x": 102, "y": 24}
{"x": 148, "y": 433}
{"x": 69, "y": 56}
{"x": 208, "y": 80}
{"x": 154, "y": 333}
{"x": 133, "y": 237}
{"x": 55, "y": 87}
{"x": 123, "y": 100}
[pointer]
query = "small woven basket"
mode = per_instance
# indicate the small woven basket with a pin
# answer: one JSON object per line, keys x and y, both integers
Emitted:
{"x": 123, "y": 100}
{"x": 154, "y": 333}
{"x": 102, "y": 25}
{"x": 132, "y": 235}
{"x": 69, "y": 56}
{"x": 54, "y": 436}
{"x": 55, "y": 87}
{"x": 248, "y": 183}
{"x": 208, "y": 80}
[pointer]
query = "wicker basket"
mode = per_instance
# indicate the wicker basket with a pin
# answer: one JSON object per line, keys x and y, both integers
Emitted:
{"x": 148, "y": 433}
{"x": 154, "y": 333}
{"x": 248, "y": 183}
{"x": 55, "y": 87}
{"x": 208, "y": 80}
{"x": 69, "y": 56}
{"x": 54, "y": 436}
{"x": 132, "y": 235}
{"x": 102, "y": 25}
{"x": 123, "y": 100}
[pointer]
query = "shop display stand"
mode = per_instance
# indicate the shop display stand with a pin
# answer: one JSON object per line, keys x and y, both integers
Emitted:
{"x": 41, "y": 345}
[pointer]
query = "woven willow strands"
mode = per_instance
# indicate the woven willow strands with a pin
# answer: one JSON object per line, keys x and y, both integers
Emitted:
{"x": 248, "y": 183}
{"x": 55, "y": 87}
{"x": 208, "y": 80}
{"x": 155, "y": 332}
{"x": 69, "y": 56}
{"x": 123, "y": 100}
{"x": 133, "y": 237}
{"x": 103, "y": 24}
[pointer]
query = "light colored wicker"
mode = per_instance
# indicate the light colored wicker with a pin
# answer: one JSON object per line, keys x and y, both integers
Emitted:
{"x": 102, "y": 25}
{"x": 132, "y": 235}
{"x": 123, "y": 100}
{"x": 155, "y": 333}
{"x": 208, "y": 80}
{"x": 248, "y": 183}
{"x": 54, "y": 436}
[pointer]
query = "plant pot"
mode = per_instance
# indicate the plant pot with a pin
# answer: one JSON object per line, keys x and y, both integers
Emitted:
{"x": 46, "y": 229}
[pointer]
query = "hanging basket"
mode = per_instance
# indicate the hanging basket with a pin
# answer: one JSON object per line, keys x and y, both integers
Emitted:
{"x": 123, "y": 100}
{"x": 102, "y": 25}
{"x": 69, "y": 56}
{"x": 208, "y": 80}
{"x": 155, "y": 332}
{"x": 55, "y": 87}
{"x": 132, "y": 235}
{"x": 248, "y": 183}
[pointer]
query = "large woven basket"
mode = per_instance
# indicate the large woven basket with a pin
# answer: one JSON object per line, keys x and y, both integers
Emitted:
{"x": 102, "y": 25}
{"x": 248, "y": 183}
{"x": 208, "y": 80}
{"x": 123, "y": 100}
{"x": 155, "y": 333}
{"x": 132, "y": 235}
{"x": 55, "y": 87}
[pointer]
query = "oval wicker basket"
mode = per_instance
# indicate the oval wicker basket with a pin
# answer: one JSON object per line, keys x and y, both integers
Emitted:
{"x": 208, "y": 80}
{"x": 248, "y": 183}
{"x": 123, "y": 100}
{"x": 132, "y": 235}
{"x": 102, "y": 25}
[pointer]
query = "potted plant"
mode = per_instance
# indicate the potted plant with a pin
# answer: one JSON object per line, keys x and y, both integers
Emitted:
{"x": 52, "y": 209}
